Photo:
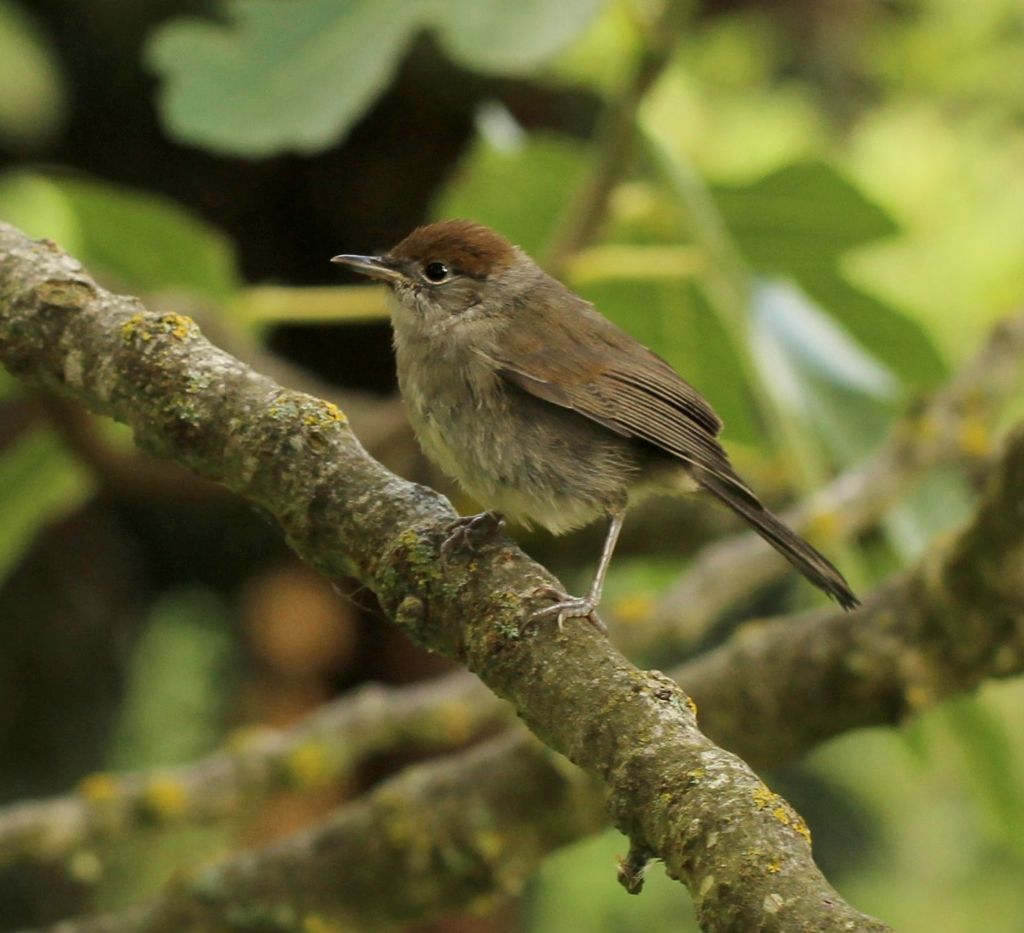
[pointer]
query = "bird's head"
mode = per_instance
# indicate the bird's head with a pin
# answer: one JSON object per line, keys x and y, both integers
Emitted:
{"x": 448, "y": 268}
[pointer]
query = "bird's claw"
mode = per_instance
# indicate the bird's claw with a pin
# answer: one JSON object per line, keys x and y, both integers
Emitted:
{"x": 468, "y": 531}
{"x": 568, "y": 607}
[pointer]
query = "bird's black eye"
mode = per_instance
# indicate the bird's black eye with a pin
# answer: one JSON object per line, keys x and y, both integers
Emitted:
{"x": 436, "y": 272}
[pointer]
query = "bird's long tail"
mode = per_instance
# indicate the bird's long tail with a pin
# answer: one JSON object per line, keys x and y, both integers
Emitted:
{"x": 813, "y": 565}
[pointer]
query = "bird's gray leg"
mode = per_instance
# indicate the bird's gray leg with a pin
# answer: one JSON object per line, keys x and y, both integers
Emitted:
{"x": 586, "y": 606}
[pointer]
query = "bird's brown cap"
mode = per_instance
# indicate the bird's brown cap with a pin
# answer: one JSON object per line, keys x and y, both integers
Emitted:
{"x": 468, "y": 247}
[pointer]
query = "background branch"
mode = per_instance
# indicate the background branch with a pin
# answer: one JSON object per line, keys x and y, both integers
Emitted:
{"x": 953, "y": 426}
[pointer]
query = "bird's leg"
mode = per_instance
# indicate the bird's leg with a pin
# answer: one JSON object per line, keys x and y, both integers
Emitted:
{"x": 467, "y": 531}
{"x": 574, "y": 607}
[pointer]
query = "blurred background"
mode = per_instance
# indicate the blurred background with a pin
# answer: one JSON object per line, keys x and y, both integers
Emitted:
{"x": 814, "y": 210}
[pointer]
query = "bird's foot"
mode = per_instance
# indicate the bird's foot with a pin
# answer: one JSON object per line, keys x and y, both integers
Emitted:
{"x": 568, "y": 607}
{"x": 468, "y": 532}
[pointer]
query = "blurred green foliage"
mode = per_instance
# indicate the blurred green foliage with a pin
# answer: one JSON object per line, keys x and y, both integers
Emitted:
{"x": 40, "y": 482}
{"x": 32, "y": 104}
{"x": 849, "y": 193}
{"x": 137, "y": 240}
{"x": 297, "y": 75}
{"x": 169, "y": 719}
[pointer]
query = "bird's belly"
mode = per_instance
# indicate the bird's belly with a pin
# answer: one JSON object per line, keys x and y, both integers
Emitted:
{"x": 533, "y": 461}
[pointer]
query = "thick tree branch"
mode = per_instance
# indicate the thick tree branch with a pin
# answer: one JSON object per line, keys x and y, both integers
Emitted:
{"x": 771, "y": 693}
{"x": 954, "y": 423}
{"x": 324, "y": 747}
{"x": 674, "y": 793}
{"x": 415, "y": 830}
{"x": 956, "y": 620}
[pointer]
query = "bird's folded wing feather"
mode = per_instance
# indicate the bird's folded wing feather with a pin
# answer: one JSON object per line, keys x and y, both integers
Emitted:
{"x": 621, "y": 385}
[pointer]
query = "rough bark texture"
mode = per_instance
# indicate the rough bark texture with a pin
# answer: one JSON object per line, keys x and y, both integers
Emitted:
{"x": 769, "y": 694}
{"x": 742, "y": 852}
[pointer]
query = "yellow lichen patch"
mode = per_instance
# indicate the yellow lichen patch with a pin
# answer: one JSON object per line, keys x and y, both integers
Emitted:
{"x": 99, "y": 788}
{"x": 165, "y": 798}
{"x": 317, "y": 924}
{"x": 774, "y": 866}
{"x": 250, "y": 738}
{"x": 490, "y": 845}
{"x": 308, "y": 765}
{"x": 333, "y": 413}
{"x": 633, "y": 610}
{"x": 763, "y": 797}
{"x": 691, "y": 705}
{"x": 322, "y": 414}
{"x": 129, "y": 326}
{"x": 179, "y": 326}
{"x": 974, "y": 438}
{"x": 455, "y": 723}
{"x": 781, "y": 811}
{"x": 801, "y": 827}
{"x": 85, "y": 866}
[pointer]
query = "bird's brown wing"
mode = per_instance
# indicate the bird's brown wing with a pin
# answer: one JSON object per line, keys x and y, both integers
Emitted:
{"x": 620, "y": 384}
{"x": 617, "y": 382}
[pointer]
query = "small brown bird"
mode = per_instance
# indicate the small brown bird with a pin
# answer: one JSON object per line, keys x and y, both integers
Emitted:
{"x": 542, "y": 408}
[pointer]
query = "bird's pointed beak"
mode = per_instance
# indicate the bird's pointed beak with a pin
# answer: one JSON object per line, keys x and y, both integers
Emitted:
{"x": 376, "y": 267}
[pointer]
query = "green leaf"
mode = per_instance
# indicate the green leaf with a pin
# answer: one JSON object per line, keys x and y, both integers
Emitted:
{"x": 520, "y": 190}
{"x": 798, "y": 223}
{"x": 799, "y": 343}
{"x": 511, "y": 38}
{"x": 836, "y": 389}
{"x": 296, "y": 76}
{"x": 40, "y": 483}
{"x": 988, "y": 750}
{"x": 175, "y": 692}
{"x": 803, "y": 213}
{"x": 142, "y": 241}
{"x": 279, "y": 76}
{"x": 36, "y": 204}
{"x": 32, "y": 104}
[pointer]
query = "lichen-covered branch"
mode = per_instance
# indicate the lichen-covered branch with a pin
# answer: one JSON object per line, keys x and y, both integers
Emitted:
{"x": 771, "y": 693}
{"x": 324, "y": 747}
{"x": 954, "y": 422}
{"x": 674, "y": 793}
{"x": 415, "y": 833}
{"x": 942, "y": 629}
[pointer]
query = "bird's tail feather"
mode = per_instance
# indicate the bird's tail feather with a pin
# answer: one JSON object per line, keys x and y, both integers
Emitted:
{"x": 813, "y": 565}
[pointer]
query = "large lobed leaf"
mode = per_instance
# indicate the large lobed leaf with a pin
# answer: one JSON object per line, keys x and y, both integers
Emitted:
{"x": 798, "y": 223}
{"x": 296, "y": 75}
